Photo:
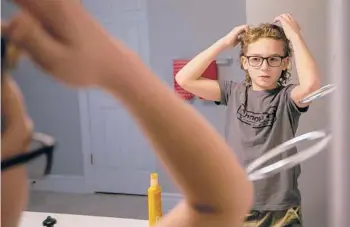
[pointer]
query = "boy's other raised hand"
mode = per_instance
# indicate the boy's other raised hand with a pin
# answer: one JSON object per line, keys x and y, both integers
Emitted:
{"x": 64, "y": 40}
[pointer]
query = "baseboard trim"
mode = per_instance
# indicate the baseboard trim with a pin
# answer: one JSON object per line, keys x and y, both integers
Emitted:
{"x": 60, "y": 183}
{"x": 170, "y": 200}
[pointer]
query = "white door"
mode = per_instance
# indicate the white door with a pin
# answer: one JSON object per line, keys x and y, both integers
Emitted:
{"x": 122, "y": 158}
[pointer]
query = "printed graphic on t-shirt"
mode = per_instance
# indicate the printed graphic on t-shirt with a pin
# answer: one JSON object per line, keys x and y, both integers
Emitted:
{"x": 257, "y": 120}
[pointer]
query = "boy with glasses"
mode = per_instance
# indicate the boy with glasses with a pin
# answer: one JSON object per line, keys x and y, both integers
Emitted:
{"x": 263, "y": 111}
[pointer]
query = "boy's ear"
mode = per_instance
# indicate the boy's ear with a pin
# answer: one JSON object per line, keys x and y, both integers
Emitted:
{"x": 244, "y": 62}
{"x": 287, "y": 64}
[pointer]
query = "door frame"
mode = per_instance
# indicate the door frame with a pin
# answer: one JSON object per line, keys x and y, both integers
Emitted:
{"x": 84, "y": 104}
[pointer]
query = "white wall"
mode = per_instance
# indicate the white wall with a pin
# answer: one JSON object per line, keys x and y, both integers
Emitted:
{"x": 311, "y": 15}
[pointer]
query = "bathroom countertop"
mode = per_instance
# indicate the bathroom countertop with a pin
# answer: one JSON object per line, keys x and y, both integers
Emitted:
{"x": 35, "y": 219}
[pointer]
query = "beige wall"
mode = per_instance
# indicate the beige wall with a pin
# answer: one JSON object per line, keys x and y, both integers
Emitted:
{"x": 311, "y": 15}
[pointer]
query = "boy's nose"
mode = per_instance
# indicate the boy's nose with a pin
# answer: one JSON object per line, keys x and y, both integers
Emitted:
{"x": 265, "y": 65}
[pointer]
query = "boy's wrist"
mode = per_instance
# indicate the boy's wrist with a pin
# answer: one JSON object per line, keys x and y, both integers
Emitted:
{"x": 222, "y": 44}
{"x": 296, "y": 38}
{"x": 120, "y": 68}
{"x": 126, "y": 75}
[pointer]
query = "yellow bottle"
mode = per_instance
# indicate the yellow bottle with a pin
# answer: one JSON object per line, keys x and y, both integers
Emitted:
{"x": 154, "y": 201}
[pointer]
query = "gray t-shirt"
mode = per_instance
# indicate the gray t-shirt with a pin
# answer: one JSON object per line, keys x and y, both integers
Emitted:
{"x": 256, "y": 122}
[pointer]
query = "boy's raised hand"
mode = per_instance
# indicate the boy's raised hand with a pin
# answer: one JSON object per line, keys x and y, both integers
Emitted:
{"x": 232, "y": 38}
{"x": 290, "y": 26}
{"x": 64, "y": 40}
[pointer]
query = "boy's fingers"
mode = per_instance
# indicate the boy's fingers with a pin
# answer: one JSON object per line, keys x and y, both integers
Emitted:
{"x": 290, "y": 17}
{"x": 28, "y": 34}
{"x": 277, "y": 19}
{"x": 58, "y": 16}
{"x": 44, "y": 10}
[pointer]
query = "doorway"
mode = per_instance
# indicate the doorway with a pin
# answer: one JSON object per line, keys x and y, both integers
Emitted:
{"x": 118, "y": 159}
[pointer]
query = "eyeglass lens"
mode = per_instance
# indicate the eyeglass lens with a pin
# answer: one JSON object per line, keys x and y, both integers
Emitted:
{"x": 271, "y": 61}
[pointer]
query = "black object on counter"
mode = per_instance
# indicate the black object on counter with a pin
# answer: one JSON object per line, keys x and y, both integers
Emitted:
{"x": 49, "y": 222}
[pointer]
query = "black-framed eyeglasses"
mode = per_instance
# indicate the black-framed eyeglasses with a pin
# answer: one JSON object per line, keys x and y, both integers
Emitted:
{"x": 38, "y": 159}
{"x": 272, "y": 61}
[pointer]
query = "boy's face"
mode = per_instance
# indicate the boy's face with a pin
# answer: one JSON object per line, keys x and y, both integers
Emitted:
{"x": 265, "y": 73}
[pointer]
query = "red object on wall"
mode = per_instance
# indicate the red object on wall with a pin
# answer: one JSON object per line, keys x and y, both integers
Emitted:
{"x": 177, "y": 66}
{"x": 211, "y": 72}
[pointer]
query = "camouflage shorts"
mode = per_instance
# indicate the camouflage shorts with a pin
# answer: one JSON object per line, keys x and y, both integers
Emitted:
{"x": 286, "y": 218}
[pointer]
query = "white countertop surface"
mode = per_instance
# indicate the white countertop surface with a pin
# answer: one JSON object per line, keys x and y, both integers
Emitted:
{"x": 35, "y": 219}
